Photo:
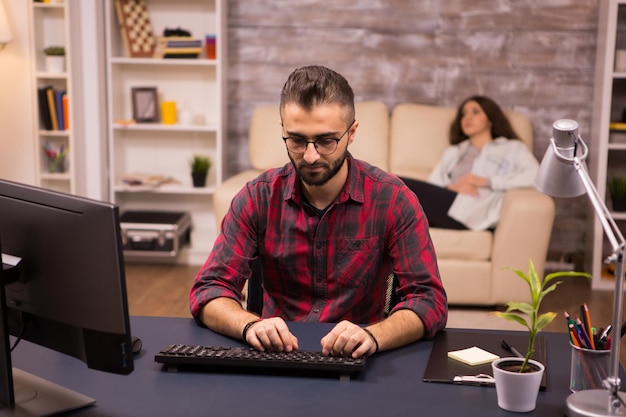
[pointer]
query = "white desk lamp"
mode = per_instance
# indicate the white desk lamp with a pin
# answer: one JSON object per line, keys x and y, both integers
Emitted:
{"x": 563, "y": 174}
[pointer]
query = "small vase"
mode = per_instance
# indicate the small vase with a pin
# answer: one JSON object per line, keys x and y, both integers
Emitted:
{"x": 517, "y": 391}
{"x": 199, "y": 179}
{"x": 55, "y": 64}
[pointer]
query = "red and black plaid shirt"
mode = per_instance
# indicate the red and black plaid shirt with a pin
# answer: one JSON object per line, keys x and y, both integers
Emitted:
{"x": 330, "y": 267}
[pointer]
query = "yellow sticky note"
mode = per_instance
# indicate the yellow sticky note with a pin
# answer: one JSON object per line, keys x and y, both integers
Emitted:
{"x": 473, "y": 356}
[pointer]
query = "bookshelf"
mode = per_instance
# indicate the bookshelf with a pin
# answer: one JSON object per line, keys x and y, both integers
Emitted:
{"x": 608, "y": 134}
{"x": 50, "y": 25}
{"x": 159, "y": 150}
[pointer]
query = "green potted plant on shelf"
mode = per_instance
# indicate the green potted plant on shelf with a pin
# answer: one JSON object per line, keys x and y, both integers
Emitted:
{"x": 617, "y": 190}
{"x": 518, "y": 379}
{"x": 55, "y": 58}
{"x": 200, "y": 166}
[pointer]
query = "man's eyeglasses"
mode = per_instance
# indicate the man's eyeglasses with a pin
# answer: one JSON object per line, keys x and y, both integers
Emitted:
{"x": 323, "y": 146}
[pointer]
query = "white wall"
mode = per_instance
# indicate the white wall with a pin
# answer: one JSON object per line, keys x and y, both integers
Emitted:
{"x": 17, "y": 99}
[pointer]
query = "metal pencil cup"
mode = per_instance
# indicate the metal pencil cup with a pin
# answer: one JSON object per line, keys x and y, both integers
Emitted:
{"x": 589, "y": 368}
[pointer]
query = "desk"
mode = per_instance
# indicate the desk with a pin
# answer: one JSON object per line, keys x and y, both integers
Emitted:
{"x": 391, "y": 385}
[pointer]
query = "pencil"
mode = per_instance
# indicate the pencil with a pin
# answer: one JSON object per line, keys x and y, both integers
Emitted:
{"x": 587, "y": 322}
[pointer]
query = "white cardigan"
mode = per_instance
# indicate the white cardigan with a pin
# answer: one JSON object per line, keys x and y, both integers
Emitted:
{"x": 506, "y": 163}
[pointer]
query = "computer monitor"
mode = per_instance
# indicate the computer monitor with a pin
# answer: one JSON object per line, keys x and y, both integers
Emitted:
{"x": 64, "y": 288}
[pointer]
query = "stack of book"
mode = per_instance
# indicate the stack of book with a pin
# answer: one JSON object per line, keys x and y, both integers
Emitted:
{"x": 53, "y": 108}
{"x": 178, "y": 47}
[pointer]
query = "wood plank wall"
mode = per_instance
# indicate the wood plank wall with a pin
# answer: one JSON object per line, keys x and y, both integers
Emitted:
{"x": 533, "y": 56}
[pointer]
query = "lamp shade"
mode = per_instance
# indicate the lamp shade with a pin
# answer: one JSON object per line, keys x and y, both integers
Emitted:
{"x": 6, "y": 35}
{"x": 557, "y": 174}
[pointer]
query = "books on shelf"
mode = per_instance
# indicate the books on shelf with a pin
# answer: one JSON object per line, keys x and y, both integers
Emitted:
{"x": 178, "y": 47}
{"x": 53, "y": 108}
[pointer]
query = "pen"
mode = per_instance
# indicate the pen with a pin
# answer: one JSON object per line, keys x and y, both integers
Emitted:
{"x": 511, "y": 349}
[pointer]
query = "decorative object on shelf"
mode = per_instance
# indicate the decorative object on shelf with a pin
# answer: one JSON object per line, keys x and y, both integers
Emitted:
{"x": 145, "y": 104}
{"x": 200, "y": 166}
{"x": 55, "y": 58}
{"x": 168, "y": 112}
{"x": 56, "y": 158}
{"x": 6, "y": 35}
{"x": 562, "y": 173}
{"x": 136, "y": 29}
{"x": 524, "y": 374}
{"x": 178, "y": 43}
{"x": 211, "y": 52}
{"x": 617, "y": 189}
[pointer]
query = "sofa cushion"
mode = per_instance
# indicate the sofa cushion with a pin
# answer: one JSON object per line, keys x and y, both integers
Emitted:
{"x": 462, "y": 244}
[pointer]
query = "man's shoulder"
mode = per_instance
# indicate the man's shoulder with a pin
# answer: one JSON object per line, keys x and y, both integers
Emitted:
{"x": 271, "y": 176}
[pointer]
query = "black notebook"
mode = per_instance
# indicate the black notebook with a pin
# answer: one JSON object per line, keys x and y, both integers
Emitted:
{"x": 440, "y": 368}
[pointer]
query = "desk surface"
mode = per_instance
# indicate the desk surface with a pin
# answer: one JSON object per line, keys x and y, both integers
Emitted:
{"x": 391, "y": 386}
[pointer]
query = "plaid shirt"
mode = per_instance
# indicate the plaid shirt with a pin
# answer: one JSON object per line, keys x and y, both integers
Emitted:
{"x": 331, "y": 267}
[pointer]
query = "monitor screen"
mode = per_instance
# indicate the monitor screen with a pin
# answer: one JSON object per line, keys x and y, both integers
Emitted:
{"x": 64, "y": 283}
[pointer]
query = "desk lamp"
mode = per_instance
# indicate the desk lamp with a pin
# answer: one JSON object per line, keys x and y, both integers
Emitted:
{"x": 563, "y": 174}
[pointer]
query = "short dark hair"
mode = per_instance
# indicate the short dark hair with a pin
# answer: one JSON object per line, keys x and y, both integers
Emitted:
{"x": 500, "y": 124}
{"x": 316, "y": 85}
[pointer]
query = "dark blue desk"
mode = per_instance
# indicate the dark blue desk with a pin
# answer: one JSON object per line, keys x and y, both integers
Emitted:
{"x": 391, "y": 386}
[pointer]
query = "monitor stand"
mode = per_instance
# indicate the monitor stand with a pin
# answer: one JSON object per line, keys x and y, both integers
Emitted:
{"x": 37, "y": 397}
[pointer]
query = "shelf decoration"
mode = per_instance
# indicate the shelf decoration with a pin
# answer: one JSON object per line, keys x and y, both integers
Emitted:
{"x": 145, "y": 104}
{"x": 56, "y": 158}
{"x": 136, "y": 29}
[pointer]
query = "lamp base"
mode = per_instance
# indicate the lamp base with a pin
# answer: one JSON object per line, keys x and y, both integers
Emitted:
{"x": 593, "y": 403}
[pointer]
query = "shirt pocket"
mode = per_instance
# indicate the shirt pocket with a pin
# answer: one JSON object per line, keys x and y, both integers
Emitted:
{"x": 357, "y": 261}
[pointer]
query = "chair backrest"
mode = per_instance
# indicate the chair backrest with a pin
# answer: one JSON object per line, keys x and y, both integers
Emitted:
{"x": 419, "y": 134}
{"x": 371, "y": 142}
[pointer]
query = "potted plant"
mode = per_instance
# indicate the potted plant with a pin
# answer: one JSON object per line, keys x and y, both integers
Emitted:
{"x": 200, "y": 166}
{"x": 617, "y": 189}
{"x": 518, "y": 379}
{"x": 55, "y": 58}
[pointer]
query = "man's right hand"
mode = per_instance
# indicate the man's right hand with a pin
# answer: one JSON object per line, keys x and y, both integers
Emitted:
{"x": 271, "y": 334}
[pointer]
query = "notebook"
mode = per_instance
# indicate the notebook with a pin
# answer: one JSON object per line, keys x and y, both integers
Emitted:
{"x": 441, "y": 368}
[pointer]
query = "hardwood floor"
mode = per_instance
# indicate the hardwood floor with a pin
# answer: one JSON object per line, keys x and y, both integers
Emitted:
{"x": 163, "y": 290}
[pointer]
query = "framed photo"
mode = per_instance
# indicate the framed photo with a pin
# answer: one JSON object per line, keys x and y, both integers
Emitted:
{"x": 145, "y": 104}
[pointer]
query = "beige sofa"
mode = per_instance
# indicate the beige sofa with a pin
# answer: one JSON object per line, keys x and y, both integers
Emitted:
{"x": 408, "y": 143}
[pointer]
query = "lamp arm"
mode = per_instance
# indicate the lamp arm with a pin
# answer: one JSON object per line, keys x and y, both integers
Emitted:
{"x": 617, "y": 258}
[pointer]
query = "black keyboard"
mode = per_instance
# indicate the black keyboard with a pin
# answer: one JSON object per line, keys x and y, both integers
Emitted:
{"x": 247, "y": 358}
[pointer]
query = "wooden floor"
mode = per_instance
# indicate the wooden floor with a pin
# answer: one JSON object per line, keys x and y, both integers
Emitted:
{"x": 163, "y": 290}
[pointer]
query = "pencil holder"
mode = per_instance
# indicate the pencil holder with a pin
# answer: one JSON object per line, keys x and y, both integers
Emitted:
{"x": 589, "y": 368}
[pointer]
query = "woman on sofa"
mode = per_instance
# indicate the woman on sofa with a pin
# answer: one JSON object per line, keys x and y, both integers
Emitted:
{"x": 485, "y": 159}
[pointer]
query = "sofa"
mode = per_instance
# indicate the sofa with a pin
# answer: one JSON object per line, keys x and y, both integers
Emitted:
{"x": 408, "y": 142}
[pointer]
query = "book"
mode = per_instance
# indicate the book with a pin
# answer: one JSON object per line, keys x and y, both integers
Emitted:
{"x": 66, "y": 111}
{"x": 442, "y": 369}
{"x": 58, "y": 101}
{"x": 52, "y": 108}
{"x": 44, "y": 108}
{"x": 473, "y": 356}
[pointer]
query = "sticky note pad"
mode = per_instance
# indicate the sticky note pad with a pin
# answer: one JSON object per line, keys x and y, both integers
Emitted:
{"x": 472, "y": 356}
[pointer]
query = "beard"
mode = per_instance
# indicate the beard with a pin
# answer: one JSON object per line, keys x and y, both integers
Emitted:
{"x": 330, "y": 169}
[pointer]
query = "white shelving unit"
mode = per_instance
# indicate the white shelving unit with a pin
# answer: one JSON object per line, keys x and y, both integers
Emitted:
{"x": 50, "y": 24}
{"x": 607, "y": 147}
{"x": 197, "y": 86}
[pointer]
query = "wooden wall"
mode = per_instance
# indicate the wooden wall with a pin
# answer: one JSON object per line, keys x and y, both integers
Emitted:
{"x": 533, "y": 56}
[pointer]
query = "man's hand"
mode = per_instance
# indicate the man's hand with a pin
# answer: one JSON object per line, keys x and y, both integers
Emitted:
{"x": 348, "y": 339}
{"x": 271, "y": 334}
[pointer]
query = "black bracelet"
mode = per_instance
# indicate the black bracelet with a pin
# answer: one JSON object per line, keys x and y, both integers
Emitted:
{"x": 244, "y": 332}
{"x": 373, "y": 338}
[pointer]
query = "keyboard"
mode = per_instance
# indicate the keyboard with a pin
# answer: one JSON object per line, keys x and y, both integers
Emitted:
{"x": 250, "y": 359}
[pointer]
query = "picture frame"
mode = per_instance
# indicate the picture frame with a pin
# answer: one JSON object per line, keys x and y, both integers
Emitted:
{"x": 145, "y": 104}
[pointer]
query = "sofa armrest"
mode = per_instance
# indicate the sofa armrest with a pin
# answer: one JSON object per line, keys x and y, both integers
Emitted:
{"x": 523, "y": 233}
{"x": 226, "y": 191}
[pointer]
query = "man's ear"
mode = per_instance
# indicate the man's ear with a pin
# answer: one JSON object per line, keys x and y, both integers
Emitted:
{"x": 352, "y": 132}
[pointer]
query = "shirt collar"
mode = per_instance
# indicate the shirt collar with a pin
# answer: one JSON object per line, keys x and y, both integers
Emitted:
{"x": 352, "y": 189}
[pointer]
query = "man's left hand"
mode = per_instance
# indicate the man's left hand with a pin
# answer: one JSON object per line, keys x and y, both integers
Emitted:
{"x": 348, "y": 339}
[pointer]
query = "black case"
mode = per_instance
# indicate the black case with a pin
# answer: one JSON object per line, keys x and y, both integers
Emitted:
{"x": 154, "y": 234}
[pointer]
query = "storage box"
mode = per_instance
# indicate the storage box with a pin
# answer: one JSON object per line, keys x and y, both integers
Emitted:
{"x": 154, "y": 234}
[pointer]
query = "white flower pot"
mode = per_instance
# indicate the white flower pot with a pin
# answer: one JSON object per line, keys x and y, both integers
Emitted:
{"x": 516, "y": 391}
{"x": 55, "y": 64}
